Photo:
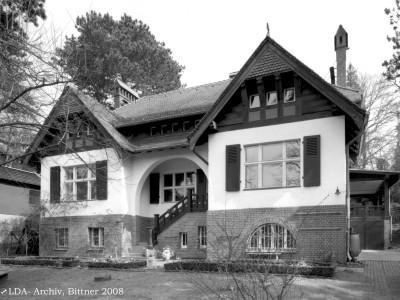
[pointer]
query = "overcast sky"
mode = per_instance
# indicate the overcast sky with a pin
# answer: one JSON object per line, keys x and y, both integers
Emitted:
{"x": 212, "y": 38}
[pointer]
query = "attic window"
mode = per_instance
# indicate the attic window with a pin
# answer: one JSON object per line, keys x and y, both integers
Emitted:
{"x": 186, "y": 125}
{"x": 164, "y": 129}
{"x": 153, "y": 130}
{"x": 175, "y": 127}
{"x": 254, "y": 101}
{"x": 272, "y": 98}
{"x": 289, "y": 95}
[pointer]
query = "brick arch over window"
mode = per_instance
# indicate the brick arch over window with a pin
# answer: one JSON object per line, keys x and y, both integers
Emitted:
{"x": 271, "y": 237}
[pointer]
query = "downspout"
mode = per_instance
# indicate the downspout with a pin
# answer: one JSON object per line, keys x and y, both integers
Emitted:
{"x": 347, "y": 150}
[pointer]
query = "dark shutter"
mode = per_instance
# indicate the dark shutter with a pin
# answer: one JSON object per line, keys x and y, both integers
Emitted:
{"x": 101, "y": 180}
{"x": 233, "y": 168}
{"x": 55, "y": 190}
{"x": 201, "y": 187}
{"x": 312, "y": 160}
{"x": 154, "y": 188}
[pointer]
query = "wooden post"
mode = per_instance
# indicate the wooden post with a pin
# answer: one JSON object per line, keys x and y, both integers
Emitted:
{"x": 386, "y": 196}
{"x": 190, "y": 198}
{"x": 245, "y": 102}
{"x": 156, "y": 225}
{"x": 278, "y": 86}
{"x": 261, "y": 94}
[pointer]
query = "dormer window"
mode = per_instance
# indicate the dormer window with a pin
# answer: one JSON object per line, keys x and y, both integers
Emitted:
{"x": 272, "y": 98}
{"x": 254, "y": 101}
{"x": 175, "y": 127}
{"x": 153, "y": 130}
{"x": 186, "y": 125}
{"x": 164, "y": 129}
{"x": 289, "y": 95}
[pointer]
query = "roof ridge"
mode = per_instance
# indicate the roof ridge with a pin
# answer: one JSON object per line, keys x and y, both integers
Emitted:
{"x": 345, "y": 88}
{"x": 172, "y": 91}
{"x": 21, "y": 170}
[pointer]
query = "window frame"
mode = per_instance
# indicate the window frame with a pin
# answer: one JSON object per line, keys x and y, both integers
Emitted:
{"x": 174, "y": 127}
{"x": 91, "y": 171}
{"x": 259, "y": 101}
{"x": 92, "y": 231}
{"x": 266, "y": 240}
{"x": 267, "y": 97}
{"x": 202, "y": 233}
{"x": 175, "y": 187}
{"x": 153, "y": 133}
{"x": 183, "y": 237}
{"x": 284, "y": 95}
{"x": 185, "y": 125}
{"x": 65, "y": 234}
{"x": 260, "y": 163}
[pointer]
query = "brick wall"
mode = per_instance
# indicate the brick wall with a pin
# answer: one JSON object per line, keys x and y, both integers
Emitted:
{"x": 121, "y": 232}
{"x": 189, "y": 224}
{"x": 320, "y": 231}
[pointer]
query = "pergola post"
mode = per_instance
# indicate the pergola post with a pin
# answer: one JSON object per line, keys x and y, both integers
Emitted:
{"x": 386, "y": 195}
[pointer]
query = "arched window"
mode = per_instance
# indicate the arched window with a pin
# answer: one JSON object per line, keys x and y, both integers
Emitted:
{"x": 271, "y": 237}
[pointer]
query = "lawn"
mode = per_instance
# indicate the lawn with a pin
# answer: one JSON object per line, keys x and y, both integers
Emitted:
{"x": 150, "y": 284}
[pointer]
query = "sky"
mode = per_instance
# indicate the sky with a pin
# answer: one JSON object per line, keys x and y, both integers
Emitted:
{"x": 213, "y": 38}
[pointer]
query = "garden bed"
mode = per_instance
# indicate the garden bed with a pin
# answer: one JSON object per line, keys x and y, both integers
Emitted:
{"x": 251, "y": 267}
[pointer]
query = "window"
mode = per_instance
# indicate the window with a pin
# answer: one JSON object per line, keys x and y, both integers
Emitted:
{"x": 272, "y": 165}
{"x": 80, "y": 183}
{"x": 271, "y": 237}
{"x": 176, "y": 186}
{"x": 186, "y": 125}
{"x": 153, "y": 130}
{"x": 254, "y": 101}
{"x": 272, "y": 98}
{"x": 96, "y": 237}
{"x": 61, "y": 237}
{"x": 183, "y": 238}
{"x": 202, "y": 237}
{"x": 175, "y": 127}
{"x": 164, "y": 129}
{"x": 289, "y": 95}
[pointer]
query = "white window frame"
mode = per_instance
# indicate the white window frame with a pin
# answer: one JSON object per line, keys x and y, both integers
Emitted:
{"x": 174, "y": 129}
{"x": 267, "y": 98}
{"x": 284, "y": 95}
{"x": 164, "y": 127}
{"x": 151, "y": 130}
{"x": 252, "y": 97}
{"x": 64, "y": 233}
{"x": 284, "y": 160}
{"x": 265, "y": 239}
{"x": 92, "y": 232}
{"x": 186, "y": 126}
{"x": 91, "y": 180}
{"x": 175, "y": 187}
{"x": 183, "y": 239}
{"x": 202, "y": 237}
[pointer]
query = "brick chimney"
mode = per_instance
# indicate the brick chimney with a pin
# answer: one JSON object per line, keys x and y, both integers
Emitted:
{"x": 341, "y": 46}
{"x": 123, "y": 94}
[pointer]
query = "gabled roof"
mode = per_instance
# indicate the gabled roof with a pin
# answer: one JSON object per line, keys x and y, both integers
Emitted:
{"x": 19, "y": 177}
{"x": 172, "y": 104}
{"x": 268, "y": 45}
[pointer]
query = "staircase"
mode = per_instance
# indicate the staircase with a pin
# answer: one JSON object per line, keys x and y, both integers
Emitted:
{"x": 191, "y": 203}
{"x": 136, "y": 252}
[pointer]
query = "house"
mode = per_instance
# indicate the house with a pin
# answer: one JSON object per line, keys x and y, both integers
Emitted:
{"x": 253, "y": 165}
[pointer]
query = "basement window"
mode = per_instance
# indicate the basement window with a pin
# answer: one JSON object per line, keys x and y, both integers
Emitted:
{"x": 96, "y": 237}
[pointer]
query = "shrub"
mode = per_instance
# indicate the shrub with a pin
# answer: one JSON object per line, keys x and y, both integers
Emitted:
{"x": 241, "y": 267}
{"x": 114, "y": 265}
{"x": 29, "y": 262}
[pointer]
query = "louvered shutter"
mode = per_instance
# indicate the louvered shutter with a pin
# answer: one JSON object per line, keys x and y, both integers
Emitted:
{"x": 101, "y": 180}
{"x": 232, "y": 168}
{"x": 312, "y": 160}
{"x": 55, "y": 189}
{"x": 154, "y": 188}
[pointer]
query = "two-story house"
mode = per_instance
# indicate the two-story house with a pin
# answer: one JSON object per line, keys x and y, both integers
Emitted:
{"x": 255, "y": 164}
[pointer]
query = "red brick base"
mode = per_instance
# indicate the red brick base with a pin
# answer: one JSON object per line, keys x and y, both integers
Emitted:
{"x": 121, "y": 232}
{"x": 320, "y": 232}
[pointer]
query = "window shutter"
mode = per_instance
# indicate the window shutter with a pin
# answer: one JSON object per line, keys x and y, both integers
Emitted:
{"x": 154, "y": 188}
{"x": 101, "y": 180}
{"x": 55, "y": 190}
{"x": 312, "y": 160}
{"x": 233, "y": 168}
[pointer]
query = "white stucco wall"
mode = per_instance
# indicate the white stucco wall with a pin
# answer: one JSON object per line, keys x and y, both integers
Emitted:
{"x": 116, "y": 202}
{"x": 333, "y": 166}
{"x": 13, "y": 200}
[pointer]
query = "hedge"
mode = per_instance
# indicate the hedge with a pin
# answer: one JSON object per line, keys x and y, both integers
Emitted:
{"x": 115, "y": 265}
{"x": 311, "y": 270}
{"x": 30, "y": 262}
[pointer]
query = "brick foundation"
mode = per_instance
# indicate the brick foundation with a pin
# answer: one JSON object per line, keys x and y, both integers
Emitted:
{"x": 189, "y": 223}
{"x": 320, "y": 232}
{"x": 121, "y": 232}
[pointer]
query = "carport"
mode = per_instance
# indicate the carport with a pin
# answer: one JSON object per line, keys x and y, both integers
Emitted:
{"x": 370, "y": 206}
